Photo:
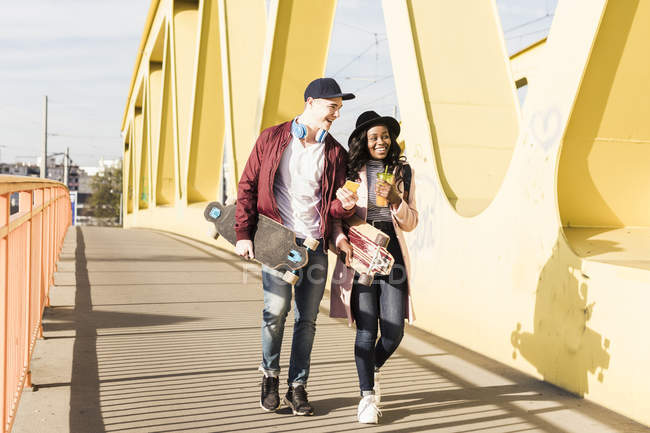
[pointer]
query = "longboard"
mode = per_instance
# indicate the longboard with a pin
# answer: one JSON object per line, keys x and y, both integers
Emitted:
{"x": 369, "y": 253}
{"x": 274, "y": 245}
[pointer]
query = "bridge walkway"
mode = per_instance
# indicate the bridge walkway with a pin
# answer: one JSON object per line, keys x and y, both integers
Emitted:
{"x": 151, "y": 332}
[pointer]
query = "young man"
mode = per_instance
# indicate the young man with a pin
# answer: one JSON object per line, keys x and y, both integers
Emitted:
{"x": 294, "y": 175}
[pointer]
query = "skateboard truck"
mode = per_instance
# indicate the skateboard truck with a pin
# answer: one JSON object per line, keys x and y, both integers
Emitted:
{"x": 290, "y": 278}
{"x": 311, "y": 243}
{"x": 295, "y": 257}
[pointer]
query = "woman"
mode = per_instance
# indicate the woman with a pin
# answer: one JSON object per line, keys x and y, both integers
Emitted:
{"x": 386, "y": 302}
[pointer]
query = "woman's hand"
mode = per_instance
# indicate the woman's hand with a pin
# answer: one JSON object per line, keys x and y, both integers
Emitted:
{"x": 347, "y": 197}
{"x": 345, "y": 247}
{"x": 388, "y": 191}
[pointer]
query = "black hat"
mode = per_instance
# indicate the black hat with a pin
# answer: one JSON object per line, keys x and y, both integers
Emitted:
{"x": 326, "y": 88}
{"x": 367, "y": 119}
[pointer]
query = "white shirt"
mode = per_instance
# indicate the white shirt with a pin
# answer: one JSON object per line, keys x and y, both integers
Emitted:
{"x": 297, "y": 187}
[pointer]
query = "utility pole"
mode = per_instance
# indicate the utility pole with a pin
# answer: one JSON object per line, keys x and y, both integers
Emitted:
{"x": 44, "y": 156}
{"x": 66, "y": 166}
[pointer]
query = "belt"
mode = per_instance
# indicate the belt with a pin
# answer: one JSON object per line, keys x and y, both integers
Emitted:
{"x": 382, "y": 225}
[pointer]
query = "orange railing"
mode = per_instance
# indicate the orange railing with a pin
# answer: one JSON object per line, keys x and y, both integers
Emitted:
{"x": 32, "y": 228}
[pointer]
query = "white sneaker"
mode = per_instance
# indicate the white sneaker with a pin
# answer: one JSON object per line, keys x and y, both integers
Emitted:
{"x": 368, "y": 411}
{"x": 377, "y": 388}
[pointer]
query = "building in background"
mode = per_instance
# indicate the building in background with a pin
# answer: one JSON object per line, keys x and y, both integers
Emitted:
{"x": 19, "y": 169}
{"x": 79, "y": 180}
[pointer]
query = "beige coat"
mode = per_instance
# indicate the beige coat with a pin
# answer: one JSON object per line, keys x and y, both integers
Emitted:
{"x": 405, "y": 219}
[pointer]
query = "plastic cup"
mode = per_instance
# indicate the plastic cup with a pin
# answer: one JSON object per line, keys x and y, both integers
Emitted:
{"x": 386, "y": 177}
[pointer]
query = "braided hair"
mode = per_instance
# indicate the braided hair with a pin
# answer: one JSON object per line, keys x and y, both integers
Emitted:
{"x": 359, "y": 155}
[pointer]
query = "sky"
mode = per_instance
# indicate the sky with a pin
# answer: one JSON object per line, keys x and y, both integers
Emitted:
{"x": 81, "y": 53}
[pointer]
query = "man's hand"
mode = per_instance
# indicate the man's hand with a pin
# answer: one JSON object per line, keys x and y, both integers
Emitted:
{"x": 347, "y": 197}
{"x": 388, "y": 191}
{"x": 244, "y": 248}
{"x": 344, "y": 246}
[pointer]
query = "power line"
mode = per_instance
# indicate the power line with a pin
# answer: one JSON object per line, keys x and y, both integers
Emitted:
{"x": 361, "y": 78}
{"x": 358, "y": 56}
{"x": 528, "y": 23}
{"x": 107, "y": 137}
{"x": 373, "y": 83}
{"x": 369, "y": 103}
{"x": 528, "y": 34}
{"x": 359, "y": 28}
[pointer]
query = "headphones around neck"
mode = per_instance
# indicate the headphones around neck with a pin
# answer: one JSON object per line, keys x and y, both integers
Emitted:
{"x": 300, "y": 131}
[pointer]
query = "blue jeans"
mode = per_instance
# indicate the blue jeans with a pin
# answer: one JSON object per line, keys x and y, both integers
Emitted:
{"x": 383, "y": 302}
{"x": 277, "y": 301}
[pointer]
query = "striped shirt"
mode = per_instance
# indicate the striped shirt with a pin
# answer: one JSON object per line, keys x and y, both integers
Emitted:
{"x": 375, "y": 213}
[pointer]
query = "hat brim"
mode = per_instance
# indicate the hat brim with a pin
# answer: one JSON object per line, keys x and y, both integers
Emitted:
{"x": 344, "y": 96}
{"x": 390, "y": 122}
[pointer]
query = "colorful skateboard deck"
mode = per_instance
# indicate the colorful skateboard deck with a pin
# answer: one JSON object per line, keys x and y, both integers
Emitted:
{"x": 274, "y": 245}
{"x": 369, "y": 253}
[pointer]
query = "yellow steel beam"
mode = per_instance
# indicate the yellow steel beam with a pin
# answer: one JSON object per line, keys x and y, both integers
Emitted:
{"x": 516, "y": 268}
{"x": 603, "y": 174}
{"x": 528, "y": 64}
{"x": 127, "y": 189}
{"x": 242, "y": 52}
{"x": 153, "y": 95}
{"x": 297, "y": 44}
{"x": 144, "y": 161}
{"x": 184, "y": 35}
{"x": 203, "y": 168}
{"x": 138, "y": 149}
{"x": 153, "y": 10}
{"x": 467, "y": 87}
{"x": 167, "y": 164}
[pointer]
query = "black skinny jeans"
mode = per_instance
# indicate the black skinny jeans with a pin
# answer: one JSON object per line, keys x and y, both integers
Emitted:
{"x": 382, "y": 303}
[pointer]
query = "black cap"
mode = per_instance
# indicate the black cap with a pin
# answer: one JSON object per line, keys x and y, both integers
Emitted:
{"x": 367, "y": 119}
{"x": 326, "y": 88}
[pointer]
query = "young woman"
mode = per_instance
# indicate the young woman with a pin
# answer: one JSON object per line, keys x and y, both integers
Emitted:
{"x": 391, "y": 208}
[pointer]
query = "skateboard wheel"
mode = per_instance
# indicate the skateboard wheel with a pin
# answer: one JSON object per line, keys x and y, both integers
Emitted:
{"x": 365, "y": 279}
{"x": 311, "y": 243}
{"x": 290, "y": 278}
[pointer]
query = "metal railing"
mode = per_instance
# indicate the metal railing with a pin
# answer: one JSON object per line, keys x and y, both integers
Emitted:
{"x": 31, "y": 236}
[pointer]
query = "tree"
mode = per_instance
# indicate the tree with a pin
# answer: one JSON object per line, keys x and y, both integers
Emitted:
{"x": 106, "y": 193}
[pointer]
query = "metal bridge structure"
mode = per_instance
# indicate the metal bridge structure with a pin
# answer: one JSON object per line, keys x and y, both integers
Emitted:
{"x": 533, "y": 246}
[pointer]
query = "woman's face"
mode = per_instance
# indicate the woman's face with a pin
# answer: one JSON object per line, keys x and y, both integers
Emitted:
{"x": 378, "y": 142}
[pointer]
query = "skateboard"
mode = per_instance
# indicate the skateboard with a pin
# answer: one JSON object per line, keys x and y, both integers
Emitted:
{"x": 369, "y": 253}
{"x": 274, "y": 244}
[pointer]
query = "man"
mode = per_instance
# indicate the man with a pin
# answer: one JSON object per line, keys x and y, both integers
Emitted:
{"x": 294, "y": 175}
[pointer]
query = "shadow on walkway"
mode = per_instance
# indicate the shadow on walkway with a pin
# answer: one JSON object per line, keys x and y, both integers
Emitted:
{"x": 164, "y": 351}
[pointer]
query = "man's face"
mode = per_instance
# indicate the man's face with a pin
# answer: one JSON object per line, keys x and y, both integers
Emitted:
{"x": 324, "y": 111}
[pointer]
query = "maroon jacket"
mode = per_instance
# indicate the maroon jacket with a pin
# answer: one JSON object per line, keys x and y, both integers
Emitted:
{"x": 255, "y": 193}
